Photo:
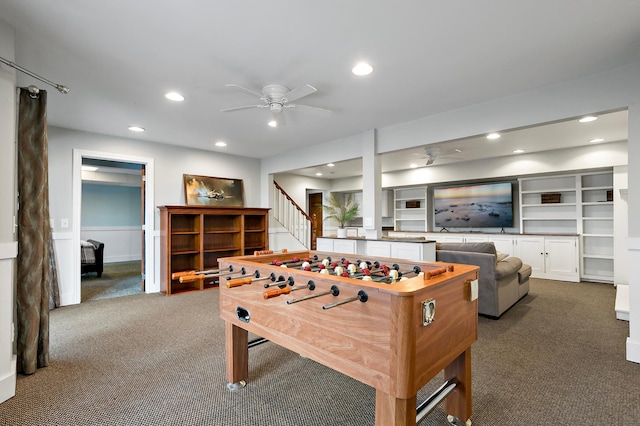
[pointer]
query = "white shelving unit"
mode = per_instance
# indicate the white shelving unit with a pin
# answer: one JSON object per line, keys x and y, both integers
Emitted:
{"x": 597, "y": 227}
{"x": 537, "y": 217}
{"x": 584, "y": 209}
{"x": 410, "y": 219}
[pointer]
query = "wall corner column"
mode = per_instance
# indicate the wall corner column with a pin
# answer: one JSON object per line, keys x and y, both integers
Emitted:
{"x": 371, "y": 186}
{"x": 633, "y": 342}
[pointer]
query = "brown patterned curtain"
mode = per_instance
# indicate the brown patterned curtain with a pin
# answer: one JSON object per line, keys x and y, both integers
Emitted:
{"x": 36, "y": 275}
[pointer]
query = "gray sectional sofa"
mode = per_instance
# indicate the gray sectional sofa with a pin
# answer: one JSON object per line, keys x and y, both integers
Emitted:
{"x": 503, "y": 280}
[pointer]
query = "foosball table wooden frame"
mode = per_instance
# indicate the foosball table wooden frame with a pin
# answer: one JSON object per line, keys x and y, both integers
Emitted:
{"x": 395, "y": 337}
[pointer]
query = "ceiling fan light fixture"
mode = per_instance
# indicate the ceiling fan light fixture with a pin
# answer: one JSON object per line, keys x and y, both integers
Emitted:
{"x": 362, "y": 69}
{"x": 174, "y": 96}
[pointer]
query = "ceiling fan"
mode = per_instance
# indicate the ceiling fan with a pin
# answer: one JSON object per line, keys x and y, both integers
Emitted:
{"x": 277, "y": 98}
{"x": 432, "y": 154}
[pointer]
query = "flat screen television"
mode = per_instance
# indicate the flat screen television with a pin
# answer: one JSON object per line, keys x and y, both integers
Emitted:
{"x": 485, "y": 205}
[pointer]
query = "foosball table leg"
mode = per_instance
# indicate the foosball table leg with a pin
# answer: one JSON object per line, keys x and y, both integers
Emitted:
{"x": 458, "y": 403}
{"x": 237, "y": 356}
{"x": 394, "y": 411}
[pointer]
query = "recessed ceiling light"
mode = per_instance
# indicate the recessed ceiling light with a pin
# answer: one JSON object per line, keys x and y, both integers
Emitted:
{"x": 518, "y": 151}
{"x": 136, "y": 128}
{"x": 273, "y": 123}
{"x": 331, "y": 165}
{"x": 174, "y": 96}
{"x": 588, "y": 119}
{"x": 221, "y": 143}
{"x": 318, "y": 174}
{"x": 493, "y": 136}
{"x": 89, "y": 168}
{"x": 413, "y": 165}
{"x": 362, "y": 69}
{"x": 596, "y": 140}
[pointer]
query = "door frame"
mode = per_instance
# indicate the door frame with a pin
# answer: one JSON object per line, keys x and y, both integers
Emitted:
{"x": 151, "y": 285}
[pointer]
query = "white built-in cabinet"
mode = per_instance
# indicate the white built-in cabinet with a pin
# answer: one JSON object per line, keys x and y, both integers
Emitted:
{"x": 414, "y": 217}
{"x": 597, "y": 227}
{"x": 585, "y": 208}
{"x": 551, "y": 257}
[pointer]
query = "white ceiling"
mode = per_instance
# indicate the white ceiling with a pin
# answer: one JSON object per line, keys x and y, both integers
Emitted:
{"x": 120, "y": 57}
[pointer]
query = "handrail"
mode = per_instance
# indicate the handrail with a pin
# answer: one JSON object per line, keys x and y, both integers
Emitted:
{"x": 291, "y": 216}
{"x": 292, "y": 201}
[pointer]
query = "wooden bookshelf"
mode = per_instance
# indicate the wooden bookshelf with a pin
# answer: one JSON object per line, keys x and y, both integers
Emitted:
{"x": 195, "y": 237}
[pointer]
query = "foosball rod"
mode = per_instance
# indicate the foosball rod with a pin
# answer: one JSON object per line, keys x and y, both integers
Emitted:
{"x": 265, "y": 252}
{"x": 188, "y": 278}
{"x": 361, "y": 296}
{"x": 281, "y": 281}
{"x": 177, "y": 275}
{"x": 334, "y": 290}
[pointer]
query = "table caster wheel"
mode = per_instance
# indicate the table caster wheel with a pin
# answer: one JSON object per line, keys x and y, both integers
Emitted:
{"x": 457, "y": 422}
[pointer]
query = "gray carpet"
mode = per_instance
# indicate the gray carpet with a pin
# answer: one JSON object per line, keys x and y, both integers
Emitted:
{"x": 556, "y": 358}
{"x": 118, "y": 279}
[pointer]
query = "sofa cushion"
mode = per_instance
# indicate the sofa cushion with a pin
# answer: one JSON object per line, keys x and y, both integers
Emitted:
{"x": 507, "y": 267}
{"x": 483, "y": 247}
{"x": 524, "y": 273}
{"x": 501, "y": 256}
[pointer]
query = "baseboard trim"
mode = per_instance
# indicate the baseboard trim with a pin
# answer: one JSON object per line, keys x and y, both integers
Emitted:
{"x": 633, "y": 351}
{"x": 8, "y": 383}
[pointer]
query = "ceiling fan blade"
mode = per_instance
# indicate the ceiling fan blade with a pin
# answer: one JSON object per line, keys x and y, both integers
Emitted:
{"x": 242, "y": 107}
{"x": 248, "y": 91}
{"x": 299, "y": 92}
{"x": 315, "y": 110}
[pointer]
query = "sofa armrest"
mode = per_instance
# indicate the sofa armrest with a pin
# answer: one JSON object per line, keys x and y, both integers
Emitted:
{"x": 507, "y": 267}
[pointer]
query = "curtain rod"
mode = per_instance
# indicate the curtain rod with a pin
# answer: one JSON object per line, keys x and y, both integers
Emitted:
{"x": 60, "y": 87}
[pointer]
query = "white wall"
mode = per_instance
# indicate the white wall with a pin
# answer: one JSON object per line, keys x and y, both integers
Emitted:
{"x": 170, "y": 163}
{"x": 607, "y": 91}
{"x": 8, "y": 245}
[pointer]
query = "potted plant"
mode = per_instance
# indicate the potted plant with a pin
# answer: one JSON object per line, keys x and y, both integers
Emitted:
{"x": 342, "y": 210}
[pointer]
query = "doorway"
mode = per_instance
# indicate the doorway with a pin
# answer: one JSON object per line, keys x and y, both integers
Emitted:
{"x": 314, "y": 201}
{"x": 112, "y": 212}
{"x": 147, "y": 262}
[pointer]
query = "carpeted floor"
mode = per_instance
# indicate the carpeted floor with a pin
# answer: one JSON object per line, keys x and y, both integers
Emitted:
{"x": 118, "y": 279}
{"x": 556, "y": 358}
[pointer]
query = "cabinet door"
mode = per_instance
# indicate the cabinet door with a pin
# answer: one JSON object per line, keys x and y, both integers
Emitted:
{"x": 531, "y": 251}
{"x": 561, "y": 261}
{"x": 324, "y": 244}
{"x": 410, "y": 251}
{"x": 378, "y": 249}
{"x": 344, "y": 246}
{"x": 504, "y": 244}
{"x": 475, "y": 238}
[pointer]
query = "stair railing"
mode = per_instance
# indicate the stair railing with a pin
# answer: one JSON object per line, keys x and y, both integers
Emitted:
{"x": 291, "y": 216}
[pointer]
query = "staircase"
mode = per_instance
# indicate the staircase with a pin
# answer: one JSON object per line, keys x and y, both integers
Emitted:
{"x": 291, "y": 216}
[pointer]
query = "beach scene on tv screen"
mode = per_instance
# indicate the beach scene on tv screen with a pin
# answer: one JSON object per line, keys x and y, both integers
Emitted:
{"x": 471, "y": 206}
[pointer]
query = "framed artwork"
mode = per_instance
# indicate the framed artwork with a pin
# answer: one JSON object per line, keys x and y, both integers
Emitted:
{"x": 213, "y": 191}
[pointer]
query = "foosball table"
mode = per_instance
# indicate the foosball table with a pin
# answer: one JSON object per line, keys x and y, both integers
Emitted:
{"x": 391, "y": 324}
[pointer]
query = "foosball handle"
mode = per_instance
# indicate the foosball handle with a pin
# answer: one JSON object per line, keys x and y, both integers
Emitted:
{"x": 189, "y": 278}
{"x": 276, "y": 292}
{"x": 177, "y": 275}
{"x": 434, "y": 272}
{"x": 239, "y": 281}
